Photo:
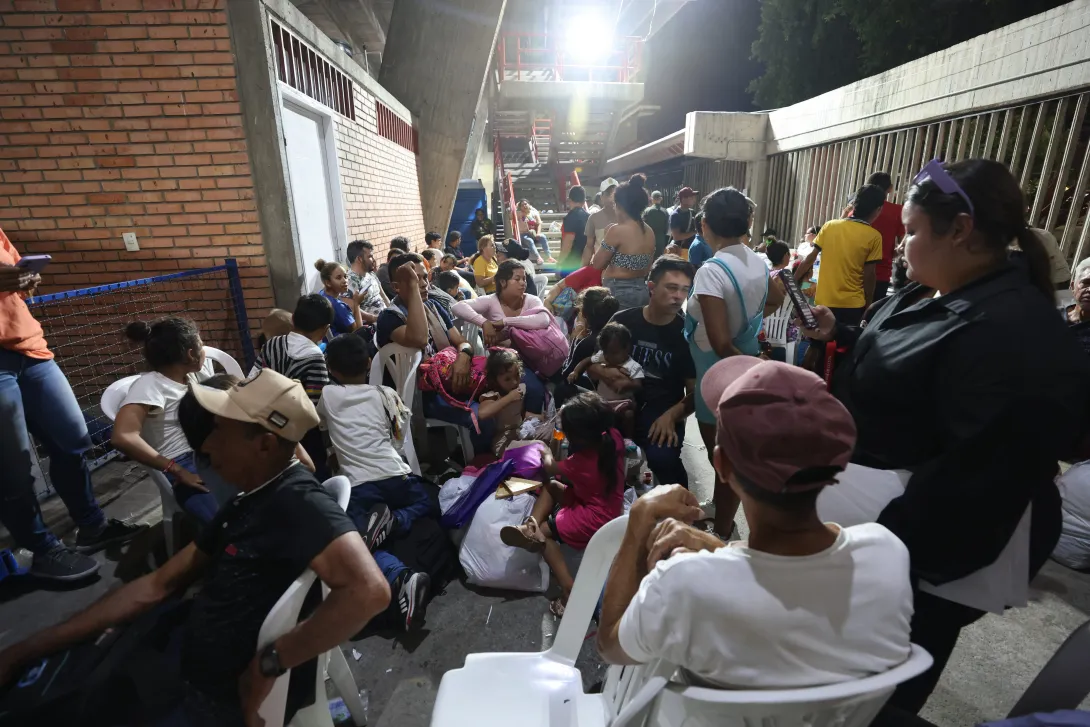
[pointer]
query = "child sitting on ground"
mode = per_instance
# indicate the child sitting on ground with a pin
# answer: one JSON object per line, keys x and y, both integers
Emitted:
{"x": 502, "y": 402}
{"x": 589, "y": 495}
{"x": 366, "y": 425}
{"x": 615, "y": 351}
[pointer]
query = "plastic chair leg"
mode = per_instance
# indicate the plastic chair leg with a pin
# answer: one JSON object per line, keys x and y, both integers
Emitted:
{"x": 341, "y": 675}
{"x": 467, "y": 445}
{"x": 168, "y": 532}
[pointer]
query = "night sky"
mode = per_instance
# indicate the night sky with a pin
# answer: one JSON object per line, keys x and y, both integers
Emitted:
{"x": 701, "y": 62}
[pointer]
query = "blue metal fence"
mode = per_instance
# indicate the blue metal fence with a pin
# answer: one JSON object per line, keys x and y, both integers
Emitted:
{"x": 85, "y": 329}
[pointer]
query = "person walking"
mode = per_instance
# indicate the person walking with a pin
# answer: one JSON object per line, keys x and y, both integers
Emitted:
{"x": 35, "y": 397}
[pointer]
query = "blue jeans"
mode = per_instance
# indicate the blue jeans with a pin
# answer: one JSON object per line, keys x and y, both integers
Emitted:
{"x": 408, "y": 500}
{"x": 35, "y": 397}
{"x": 663, "y": 460}
{"x": 536, "y": 243}
{"x": 201, "y": 505}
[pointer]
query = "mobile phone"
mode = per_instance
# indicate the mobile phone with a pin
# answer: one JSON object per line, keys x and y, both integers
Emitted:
{"x": 33, "y": 263}
{"x": 797, "y": 298}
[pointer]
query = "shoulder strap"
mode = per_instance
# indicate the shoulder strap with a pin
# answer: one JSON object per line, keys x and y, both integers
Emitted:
{"x": 737, "y": 288}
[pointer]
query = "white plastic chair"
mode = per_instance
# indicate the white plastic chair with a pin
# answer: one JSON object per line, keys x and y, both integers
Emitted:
{"x": 225, "y": 360}
{"x": 545, "y": 689}
{"x": 110, "y": 404}
{"x": 281, "y": 619}
{"x": 472, "y": 333}
{"x": 541, "y": 282}
{"x": 775, "y": 327}
{"x": 402, "y": 363}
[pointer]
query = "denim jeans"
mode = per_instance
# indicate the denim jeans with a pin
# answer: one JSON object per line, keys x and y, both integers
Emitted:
{"x": 201, "y": 505}
{"x": 35, "y": 398}
{"x": 408, "y": 500}
{"x": 663, "y": 460}
{"x": 629, "y": 292}
{"x": 536, "y": 243}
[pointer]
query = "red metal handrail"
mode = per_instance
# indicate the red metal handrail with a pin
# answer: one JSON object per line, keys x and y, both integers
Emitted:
{"x": 620, "y": 64}
{"x": 506, "y": 185}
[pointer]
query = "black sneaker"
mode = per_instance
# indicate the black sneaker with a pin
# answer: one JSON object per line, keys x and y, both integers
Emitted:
{"x": 114, "y": 531}
{"x": 380, "y": 523}
{"x": 61, "y": 564}
{"x": 412, "y": 597}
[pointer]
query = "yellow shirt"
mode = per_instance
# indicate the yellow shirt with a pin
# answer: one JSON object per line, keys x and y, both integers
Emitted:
{"x": 846, "y": 247}
{"x": 485, "y": 269}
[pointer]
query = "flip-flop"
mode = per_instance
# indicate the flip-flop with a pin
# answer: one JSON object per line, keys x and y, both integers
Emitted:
{"x": 514, "y": 536}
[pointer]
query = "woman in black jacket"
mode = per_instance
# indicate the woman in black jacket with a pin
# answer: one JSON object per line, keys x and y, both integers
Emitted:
{"x": 977, "y": 390}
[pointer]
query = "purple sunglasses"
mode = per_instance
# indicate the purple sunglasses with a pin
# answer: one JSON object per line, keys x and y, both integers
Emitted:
{"x": 935, "y": 172}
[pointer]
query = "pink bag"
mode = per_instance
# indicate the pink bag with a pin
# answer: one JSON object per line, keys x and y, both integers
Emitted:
{"x": 543, "y": 350}
{"x": 437, "y": 372}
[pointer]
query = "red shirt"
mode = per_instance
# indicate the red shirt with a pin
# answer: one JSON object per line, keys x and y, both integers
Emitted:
{"x": 19, "y": 332}
{"x": 889, "y": 224}
{"x": 583, "y": 278}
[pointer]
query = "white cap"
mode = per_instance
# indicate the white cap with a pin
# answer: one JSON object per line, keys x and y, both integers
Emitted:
{"x": 606, "y": 184}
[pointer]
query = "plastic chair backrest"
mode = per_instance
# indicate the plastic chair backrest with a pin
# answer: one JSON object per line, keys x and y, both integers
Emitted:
{"x": 224, "y": 359}
{"x": 401, "y": 362}
{"x": 341, "y": 489}
{"x": 776, "y": 324}
{"x": 847, "y": 704}
{"x": 472, "y": 333}
{"x": 285, "y": 615}
{"x": 115, "y": 393}
{"x": 597, "y": 559}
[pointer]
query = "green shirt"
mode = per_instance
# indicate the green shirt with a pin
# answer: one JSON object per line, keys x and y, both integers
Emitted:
{"x": 659, "y": 221}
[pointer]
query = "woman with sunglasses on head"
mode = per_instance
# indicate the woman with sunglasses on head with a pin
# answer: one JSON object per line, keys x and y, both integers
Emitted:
{"x": 972, "y": 392}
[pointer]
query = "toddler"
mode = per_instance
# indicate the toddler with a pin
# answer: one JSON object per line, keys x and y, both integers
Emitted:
{"x": 502, "y": 402}
{"x": 615, "y": 353}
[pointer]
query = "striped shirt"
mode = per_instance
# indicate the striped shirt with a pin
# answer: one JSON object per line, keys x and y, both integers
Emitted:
{"x": 299, "y": 358}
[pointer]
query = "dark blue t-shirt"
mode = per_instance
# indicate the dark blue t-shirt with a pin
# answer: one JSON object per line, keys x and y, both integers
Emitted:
{"x": 394, "y": 317}
{"x": 343, "y": 319}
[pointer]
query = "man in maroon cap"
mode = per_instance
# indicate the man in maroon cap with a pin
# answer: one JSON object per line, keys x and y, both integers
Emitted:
{"x": 686, "y": 200}
{"x": 802, "y": 602}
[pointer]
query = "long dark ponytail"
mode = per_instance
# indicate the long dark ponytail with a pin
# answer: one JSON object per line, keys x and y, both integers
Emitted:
{"x": 586, "y": 421}
{"x": 999, "y": 213}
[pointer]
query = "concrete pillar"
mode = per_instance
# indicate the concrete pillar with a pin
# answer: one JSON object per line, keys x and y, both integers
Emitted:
{"x": 436, "y": 61}
{"x": 757, "y": 190}
{"x": 476, "y": 144}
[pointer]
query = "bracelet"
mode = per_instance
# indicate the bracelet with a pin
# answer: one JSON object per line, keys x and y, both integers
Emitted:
{"x": 170, "y": 465}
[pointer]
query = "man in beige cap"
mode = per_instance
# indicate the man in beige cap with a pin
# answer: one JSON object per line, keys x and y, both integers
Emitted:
{"x": 280, "y": 524}
{"x": 600, "y": 220}
{"x": 802, "y": 603}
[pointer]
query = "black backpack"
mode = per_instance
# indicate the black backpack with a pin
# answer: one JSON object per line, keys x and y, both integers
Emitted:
{"x": 124, "y": 675}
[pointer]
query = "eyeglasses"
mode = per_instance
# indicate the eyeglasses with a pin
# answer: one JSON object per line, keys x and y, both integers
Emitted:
{"x": 935, "y": 172}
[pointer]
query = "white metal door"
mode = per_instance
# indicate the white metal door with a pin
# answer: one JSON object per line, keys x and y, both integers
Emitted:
{"x": 310, "y": 189}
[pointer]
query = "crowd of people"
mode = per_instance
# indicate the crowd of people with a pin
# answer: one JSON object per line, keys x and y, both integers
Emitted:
{"x": 898, "y": 484}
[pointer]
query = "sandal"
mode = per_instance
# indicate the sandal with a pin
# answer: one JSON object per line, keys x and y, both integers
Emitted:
{"x": 526, "y": 536}
{"x": 556, "y": 607}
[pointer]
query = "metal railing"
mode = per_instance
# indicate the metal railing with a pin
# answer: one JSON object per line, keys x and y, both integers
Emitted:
{"x": 505, "y": 185}
{"x": 539, "y": 57}
{"x": 1045, "y": 143}
{"x": 85, "y": 330}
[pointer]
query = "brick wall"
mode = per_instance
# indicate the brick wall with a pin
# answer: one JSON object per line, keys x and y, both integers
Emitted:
{"x": 378, "y": 181}
{"x": 122, "y": 116}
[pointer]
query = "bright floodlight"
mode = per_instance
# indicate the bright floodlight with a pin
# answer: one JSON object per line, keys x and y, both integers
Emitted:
{"x": 588, "y": 38}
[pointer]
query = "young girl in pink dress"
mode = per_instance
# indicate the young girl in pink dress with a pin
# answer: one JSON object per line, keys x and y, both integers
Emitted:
{"x": 588, "y": 491}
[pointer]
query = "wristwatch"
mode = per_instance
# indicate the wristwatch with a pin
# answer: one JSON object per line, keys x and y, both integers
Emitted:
{"x": 268, "y": 661}
{"x": 467, "y": 349}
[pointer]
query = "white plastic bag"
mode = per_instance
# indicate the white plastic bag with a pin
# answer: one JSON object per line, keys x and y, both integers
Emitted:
{"x": 488, "y": 562}
{"x": 452, "y": 490}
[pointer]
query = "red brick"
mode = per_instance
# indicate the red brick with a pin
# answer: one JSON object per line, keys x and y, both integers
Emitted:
{"x": 79, "y": 73}
{"x": 168, "y": 31}
{"x": 71, "y": 6}
{"x": 109, "y": 162}
{"x": 38, "y": 74}
{"x": 117, "y": 46}
{"x": 127, "y": 33}
{"x": 157, "y": 46}
{"x": 84, "y": 99}
{"x": 43, "y": 33}
{"x": 105, "y": 198}
{"x": 92, "y": 33}
{"x": 71, "y": 47}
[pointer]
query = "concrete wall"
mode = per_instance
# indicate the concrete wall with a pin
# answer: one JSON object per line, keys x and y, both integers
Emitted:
{"x": 726, "y": 135}
{"x": 436, "y": 60}
{"x": 122, "y": 116}
{"x": 1043, "y": 55}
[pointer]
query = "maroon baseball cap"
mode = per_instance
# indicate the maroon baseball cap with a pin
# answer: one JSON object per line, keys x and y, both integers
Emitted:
{"x": 687, "y": 191}
{"x": 778, "y": 425}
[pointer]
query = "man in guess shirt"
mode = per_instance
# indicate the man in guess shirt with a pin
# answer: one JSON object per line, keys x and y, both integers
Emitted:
{"x": 281, "y": 523}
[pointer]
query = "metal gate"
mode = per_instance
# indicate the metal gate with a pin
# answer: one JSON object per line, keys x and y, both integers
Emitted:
{"x": 1046, "y": 144}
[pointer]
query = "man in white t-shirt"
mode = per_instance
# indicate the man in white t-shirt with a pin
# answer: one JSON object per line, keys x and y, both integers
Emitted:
{"x": 801, "y": 603}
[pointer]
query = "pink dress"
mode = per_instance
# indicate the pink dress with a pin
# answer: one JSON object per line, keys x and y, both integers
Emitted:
{"x": 587, "y": 506}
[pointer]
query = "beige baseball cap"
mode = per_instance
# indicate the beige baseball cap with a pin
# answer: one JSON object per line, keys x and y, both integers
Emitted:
{"x": 270, "y": 399}
{"x": 607, "y": 183}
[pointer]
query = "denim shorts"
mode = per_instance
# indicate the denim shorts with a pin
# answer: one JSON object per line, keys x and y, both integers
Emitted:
{"x": 629, "y": 292}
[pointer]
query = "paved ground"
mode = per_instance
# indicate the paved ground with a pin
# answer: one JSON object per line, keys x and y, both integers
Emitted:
{"x": 994, "y": 662}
